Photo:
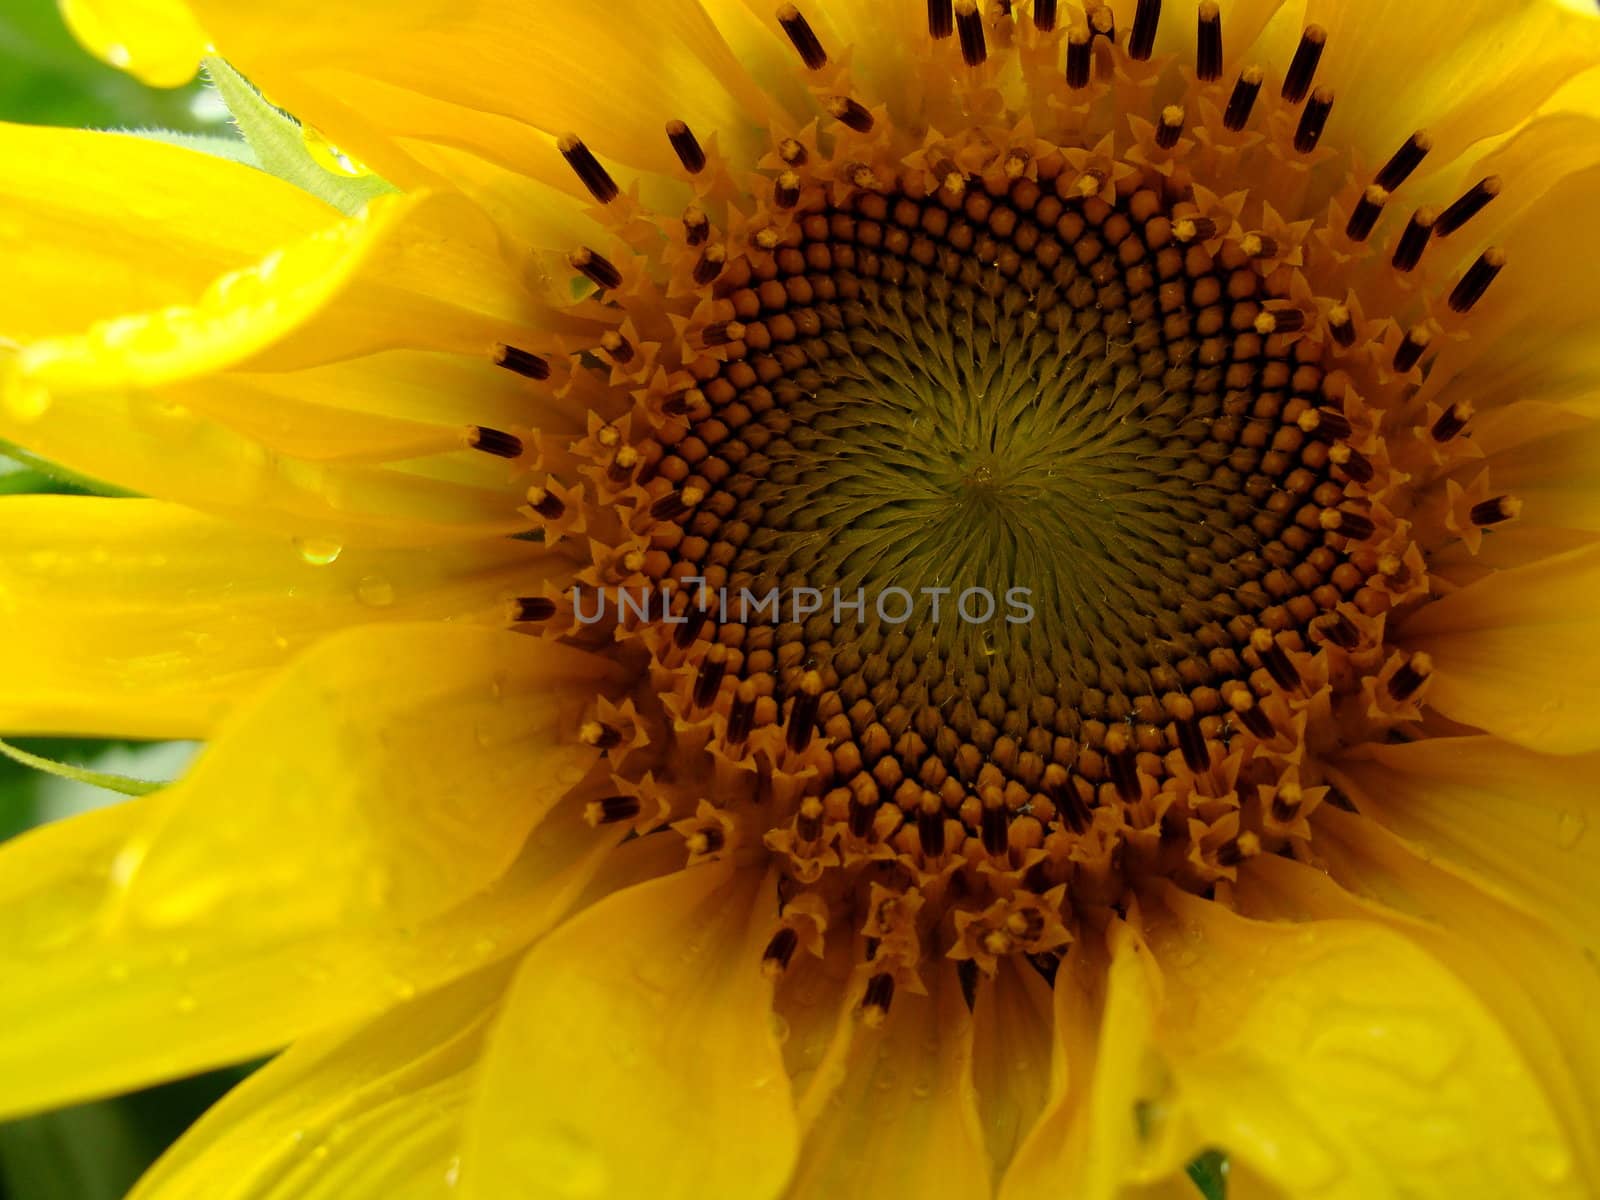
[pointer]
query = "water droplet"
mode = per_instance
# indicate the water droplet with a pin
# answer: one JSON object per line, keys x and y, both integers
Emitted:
{"x": 375, "y": 591}
{"x": 319, "y": 552}
{"x": 1570, "y": 829}
{"x": 780, "y": 1028}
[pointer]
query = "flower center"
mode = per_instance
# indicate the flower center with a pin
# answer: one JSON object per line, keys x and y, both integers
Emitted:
{"x": 1025, "y": 515}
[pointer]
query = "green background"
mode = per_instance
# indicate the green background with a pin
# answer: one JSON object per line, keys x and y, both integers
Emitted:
{"x": 96, "y": 1151}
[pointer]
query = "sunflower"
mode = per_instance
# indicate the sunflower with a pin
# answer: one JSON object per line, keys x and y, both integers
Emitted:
{"x": 1243, "y": 353}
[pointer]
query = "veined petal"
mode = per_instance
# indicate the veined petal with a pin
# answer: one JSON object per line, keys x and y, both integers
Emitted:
{"x": 139, "y": 618}
{"x": 655, "y": 992}
{"x": 1543, "y": 989}
{"x": 1465, "y": 75}
{"x": 1013, "y": 1044}
{"x": 614, "y": 73}
{"x": 151, "y": 224}
{"x": 1513, "y": 654}
{"x": 157, "y": 41}
{"x": 1528, "y": 824}
{"x": 373, "y": 1110}
{"x": 1338, "y": 1059}
{"x": 904, "y": 1120}
{"x": 312, "y": 866}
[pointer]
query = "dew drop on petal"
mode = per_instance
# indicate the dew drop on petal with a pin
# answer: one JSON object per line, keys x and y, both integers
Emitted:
{"x": 319, "y": 552}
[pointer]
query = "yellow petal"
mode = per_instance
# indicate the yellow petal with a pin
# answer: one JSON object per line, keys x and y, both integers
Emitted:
{"x": 1087, "y": 1141}
{"x": 312, "y": 866}
{"x": 1528, "y": 824}
{"x": 1465, "y": 74}
{"x": 614, "y": 74}
{"x": 151, "y": 224}
{"x": 1543, "y": 989}
{"x": 1337, "y": 1059}
{"x": 373, "y": 1110}
{"x": 1013, "y": 1045}
{"x": 904, "y": 1120}
{"x": 157, "y": 41}
{"x": 138, "y": 618}
{"x": 636, "y": 1054}
{"x": 1513, "y": 653}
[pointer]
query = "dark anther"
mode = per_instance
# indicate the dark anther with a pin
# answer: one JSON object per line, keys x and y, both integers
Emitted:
{"x": 598, "y": 270}
{"x": 1286, "y": 320}
{"x": 1358, "y": 527}
{"x": 1406, "y": 160}
{"x": 1142, "y": 42}
{"x": 1313, "y": 119}
{"x": 693, "y": 621}
{"x": 1341, "y": 326}
{"x": 1193, "y": 744}
{"x": 720, "y": 333}
{"x": 588, "y": 169}
{"x": 709, "y": 266}
{"x": 679, "y": 403}
{"x": 1243, "y": 99}
{"x": 1171, "y": 126}
{"x": 546, "y": 503}
{"x": 1276, "y": 659}
{"x": 1208, "y": 53}
{"x": 600, "y": 735}
{"x": 1356, "y": 465}
{"x": 1339, "y": 630}
{"x": 967, "y": 977}
{"x": 742, "y": 716}
{"x": 709, "y": 680}
{"x": 618, "y": 347}
{"x": 803, "y": 711}
{"x": 1405, "y": 682}
{"x": 620, "y": 470}
{"x": 808, "y": 822}
{"x": 674, "y": 504}
{"x": 687, "y": 147}
{"x": 803, "y": 37}
{"x": 1124, "y": 768}
{"x": 1468, "y": 206}
{"x": 1365, "y": 214}
{"x": 792, "y": 152}
{"x": 1103, "y": 23}
{"x": 534, "y": 608}
{"x": 941, "y": 18}
{"x": 880, "y": 994}
{"x": 1044, "y": 15}
{"x": 494, "y": 441}
{"x": 861, "y": 816}
{"x": 611, "y": 809}
{"x": 696, "y": 225}
{"x": 786, "y": 190}
{"x": 1451, "y": 421}
{"x": 1410, "y": 351}
{"x": 930, "y": 830}
{"x": 994, "y": 826}
{"x": 1331, "y": 424}
{"x": 781, "y": 949}
{"x": 851, "y": 113}
{"x": 1493, "y": 512}
{"x": 1253, "y": 719}
{"x": 1477, "y": 279}
{"x": 1303, "y": 67}
{"x": 1408, "y": 251}
{"x": 1079, "y": 57}
{"x": 520, "y": 361}
{"x": 969, "y": 26}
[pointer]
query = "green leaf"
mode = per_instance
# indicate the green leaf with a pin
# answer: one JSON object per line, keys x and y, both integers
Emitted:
{"x": 217, "y": 145}
{"x": 100, "y": 779}
{"x": 280, "y": 144}
{"x": 1210, "y": 1174}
